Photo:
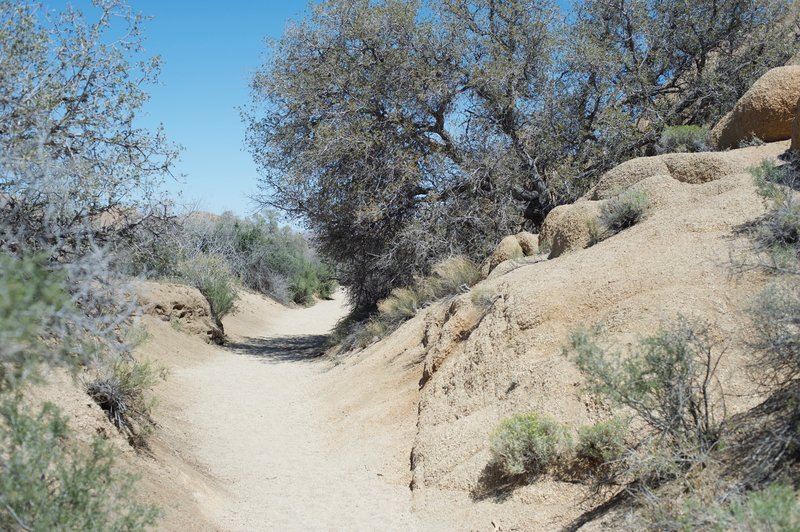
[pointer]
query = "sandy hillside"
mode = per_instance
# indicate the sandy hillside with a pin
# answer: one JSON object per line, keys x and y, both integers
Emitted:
{"x": 264, "y": 433}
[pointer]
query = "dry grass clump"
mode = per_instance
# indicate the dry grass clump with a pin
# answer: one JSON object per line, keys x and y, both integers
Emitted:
{"x": 452, "y": 276}
{"x": 122, "y": 392}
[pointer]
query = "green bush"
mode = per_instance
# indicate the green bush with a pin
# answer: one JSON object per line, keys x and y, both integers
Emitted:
{"x": 602, "y": 442}
{"x": 622, "y": 212}
{"x": 212, "y": 276}
{"x": 47, "y": 482}
{"x": 263, "y": 255}
{"x": 667, "y": 380}
{"x": 34, "y": 302}
{"x": 681, "y": 139}
{"x": 527, "y": 444}
{"x": 772, "y": 179}
{"x": 776, "y": 236}
{"x": 773, "y": 508}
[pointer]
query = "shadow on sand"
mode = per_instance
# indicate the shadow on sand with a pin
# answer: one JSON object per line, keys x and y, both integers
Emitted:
{"x": 301, "y": 348}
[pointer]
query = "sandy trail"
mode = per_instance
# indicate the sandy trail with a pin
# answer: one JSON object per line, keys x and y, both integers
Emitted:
{"x": 258, "y": 418}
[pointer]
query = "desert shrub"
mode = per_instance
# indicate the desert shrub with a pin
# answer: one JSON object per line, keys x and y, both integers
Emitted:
{"x": 50, "y": 483}
{"x": 483, "y": 297}
{"x": 681, "y": 139}
{"x": 369, "y": 332}
{"x": 775, "y": 316}
{"x": 776, "y": 236}
{"x": 667, "y": 379}
{"x": 772, "y": 180}
{"x": 402, "y": 304}
{"x": 602, "y": 442}
{"x": 622, "y": 212}
{"x": 451, "y": 276}
{"x": 212, "y": 276}
{"x": 527, "y": 444}
{"x": 772, "y": 508}
{"x": 122, "y": 391}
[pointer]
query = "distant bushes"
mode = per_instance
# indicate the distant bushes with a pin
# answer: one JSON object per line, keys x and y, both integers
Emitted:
{"x": 681, "y": 139}
{"x": 263, "y": 255}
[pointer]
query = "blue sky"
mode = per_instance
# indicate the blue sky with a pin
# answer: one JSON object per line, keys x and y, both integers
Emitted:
{"x": 210, "y": 50}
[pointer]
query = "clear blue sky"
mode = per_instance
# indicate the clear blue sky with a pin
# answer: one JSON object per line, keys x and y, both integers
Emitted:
{"x": 210, "y": 50}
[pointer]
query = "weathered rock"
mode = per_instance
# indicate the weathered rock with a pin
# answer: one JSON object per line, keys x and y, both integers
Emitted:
{"x": 528, "y": 242}
{"x": 181, "y": 305}
{"x": 766, "y": 111}
{"x": 522, "y": 244}
{"x": 691, "y": 168}
{"x": 566, "y": 228}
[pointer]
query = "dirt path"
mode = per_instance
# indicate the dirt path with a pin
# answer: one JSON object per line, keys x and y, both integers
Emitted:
{"x": 259, "y": 422}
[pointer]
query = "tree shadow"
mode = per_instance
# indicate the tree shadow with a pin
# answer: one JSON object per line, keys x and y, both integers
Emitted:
{"x": 302, "y": 348}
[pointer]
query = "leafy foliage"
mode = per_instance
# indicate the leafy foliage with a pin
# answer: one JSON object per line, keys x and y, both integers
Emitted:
{"x": 49, "y": 483}
{"x": 405, "y": 131}
{"x": 526, "y": 444}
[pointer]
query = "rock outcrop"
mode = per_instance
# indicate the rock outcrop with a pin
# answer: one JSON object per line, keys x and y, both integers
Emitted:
{"x": 183, "y": 306}
{"x": 516, "y": 246}
{"x": 766, "y": 111}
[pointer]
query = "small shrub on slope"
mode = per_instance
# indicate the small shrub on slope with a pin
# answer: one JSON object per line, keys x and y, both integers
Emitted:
{"x": 622, "y": 212}
{"x": 123, "y": 394}
{"x": 602, "y": 442}
{"x": 681, "y": 139}
{"x": 777, "y": 235}
{"x": 668, "y": 381}
{"x": 212, "y": 276}
{"x": 527, "y": 444}
{"x": 49, "y": 483}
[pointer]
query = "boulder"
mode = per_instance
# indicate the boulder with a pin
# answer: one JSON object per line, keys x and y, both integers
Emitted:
{"x": 567, "y": 227}
{"x": 522, "y": 244}
{"x": 765, "y": 111}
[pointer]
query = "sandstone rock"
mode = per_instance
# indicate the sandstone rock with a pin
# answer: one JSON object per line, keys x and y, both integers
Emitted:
{"x": 765, "y": 111}
{"x": 528, "y": 242}
{"x": 181, "y": 305}
{"x": 567, "y": 226}
{"x": 522, "y": 244}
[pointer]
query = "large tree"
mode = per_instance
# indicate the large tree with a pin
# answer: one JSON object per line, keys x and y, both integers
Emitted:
{"x": 402, "y": 131}
{"x": 74, "y": 164}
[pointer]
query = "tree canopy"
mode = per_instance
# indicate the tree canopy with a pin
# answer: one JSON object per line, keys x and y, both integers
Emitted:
{"x": 403, "y": 131}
